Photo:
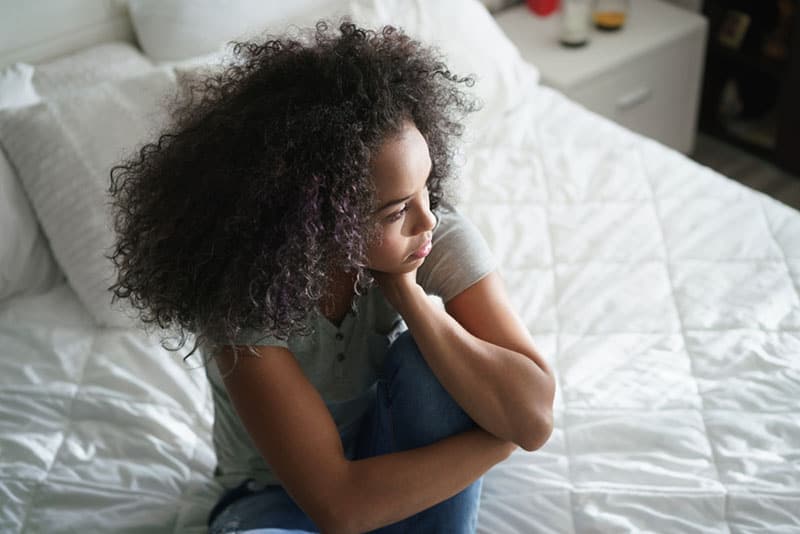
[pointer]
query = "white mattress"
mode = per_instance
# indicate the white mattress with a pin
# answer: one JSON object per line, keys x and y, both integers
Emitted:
{"x": 665, "y": 295}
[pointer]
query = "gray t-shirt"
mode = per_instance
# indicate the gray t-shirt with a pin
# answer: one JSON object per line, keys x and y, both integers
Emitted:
{"x": 344, "y": 362}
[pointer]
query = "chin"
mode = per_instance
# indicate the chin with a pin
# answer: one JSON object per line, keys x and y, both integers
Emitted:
{"x": 410, "y": 266}
{"x": 402, "y": 267}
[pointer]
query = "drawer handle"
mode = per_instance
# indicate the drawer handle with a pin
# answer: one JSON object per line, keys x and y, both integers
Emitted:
{"x": 634, "y": 98}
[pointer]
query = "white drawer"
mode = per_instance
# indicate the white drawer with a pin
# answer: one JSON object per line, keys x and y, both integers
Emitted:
{"x": 655, "y": 94}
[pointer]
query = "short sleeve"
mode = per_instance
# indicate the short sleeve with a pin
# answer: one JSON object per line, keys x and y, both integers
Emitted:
{"x": 254, "y": 337}
{"x": 459, "y": 257}
{"x": 247, "y": 337}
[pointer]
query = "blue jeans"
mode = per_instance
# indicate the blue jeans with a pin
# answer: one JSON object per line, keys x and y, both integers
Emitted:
{"x": 411, "y": 409}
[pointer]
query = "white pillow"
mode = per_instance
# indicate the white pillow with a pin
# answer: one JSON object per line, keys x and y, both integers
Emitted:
{"x": 100, "y": 63}
{"x": 63, "y": 151}
{"x": 184, "y": 29}
{"x": 464, "y": 30}
{"x": 26, "y": 263}
{"x": 470, "y": 39}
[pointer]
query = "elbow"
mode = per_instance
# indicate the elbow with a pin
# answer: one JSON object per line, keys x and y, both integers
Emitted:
{"x": 537, "y": 431}
{"x": 539, "y": 422}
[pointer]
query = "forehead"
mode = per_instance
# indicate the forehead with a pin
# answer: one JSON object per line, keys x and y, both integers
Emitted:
{"x": 401, "y": 164}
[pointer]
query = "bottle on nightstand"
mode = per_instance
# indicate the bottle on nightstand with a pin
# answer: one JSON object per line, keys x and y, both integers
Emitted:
{"x": 610, "y": 15}
{"x": 575, "y": 23}
{"x": 645, "y": 77}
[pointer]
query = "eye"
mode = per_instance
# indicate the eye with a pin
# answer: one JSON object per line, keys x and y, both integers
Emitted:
{"x": 394, "y": 217}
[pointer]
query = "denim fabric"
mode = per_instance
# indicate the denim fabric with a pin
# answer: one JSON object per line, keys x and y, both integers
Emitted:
{"x": 409, "y": 409}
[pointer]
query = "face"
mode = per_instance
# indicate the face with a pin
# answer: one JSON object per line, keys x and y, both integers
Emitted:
{"x": 400, "y": 173}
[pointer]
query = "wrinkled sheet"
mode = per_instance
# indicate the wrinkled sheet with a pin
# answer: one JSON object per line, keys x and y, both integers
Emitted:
{"x": 664, "y": 294}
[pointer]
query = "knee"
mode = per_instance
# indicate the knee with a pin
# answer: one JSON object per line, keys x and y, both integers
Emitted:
{"x": 419, "y": 403}
{"x": 404, "y": 356}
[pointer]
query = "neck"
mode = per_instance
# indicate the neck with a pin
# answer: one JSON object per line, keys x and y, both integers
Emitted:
{"x": 338, "y": 296}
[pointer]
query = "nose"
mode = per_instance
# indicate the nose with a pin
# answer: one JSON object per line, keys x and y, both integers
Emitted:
{"x": 426, "y": 221}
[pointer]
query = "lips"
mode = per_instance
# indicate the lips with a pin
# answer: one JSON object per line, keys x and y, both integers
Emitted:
{"x": 423, "y": 251}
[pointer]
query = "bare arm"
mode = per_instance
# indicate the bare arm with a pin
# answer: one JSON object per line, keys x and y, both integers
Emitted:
{"x": 483, "y": 355}
{"x": 294, "y": 431}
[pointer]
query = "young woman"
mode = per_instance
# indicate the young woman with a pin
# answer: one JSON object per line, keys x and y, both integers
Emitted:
{"x": 295, "y": 220}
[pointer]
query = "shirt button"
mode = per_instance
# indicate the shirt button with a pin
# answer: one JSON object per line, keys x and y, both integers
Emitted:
{"x": 339, "y": 336}
{"x": 340, "y": 357}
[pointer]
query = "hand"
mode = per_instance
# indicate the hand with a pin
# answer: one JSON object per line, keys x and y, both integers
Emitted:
{"x": 397, "y": 288}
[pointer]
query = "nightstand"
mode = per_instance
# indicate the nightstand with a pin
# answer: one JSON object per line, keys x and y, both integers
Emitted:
{"x": 645, "y": 76}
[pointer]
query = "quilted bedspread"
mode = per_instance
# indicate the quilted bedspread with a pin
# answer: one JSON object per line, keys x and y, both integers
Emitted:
{"x": 665, "y": 295}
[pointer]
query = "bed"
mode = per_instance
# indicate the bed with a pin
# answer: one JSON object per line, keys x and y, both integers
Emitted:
{"x": 665, "y": 295}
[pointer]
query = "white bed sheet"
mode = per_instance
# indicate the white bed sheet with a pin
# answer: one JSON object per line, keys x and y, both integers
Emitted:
{"x": 665, "y": 295}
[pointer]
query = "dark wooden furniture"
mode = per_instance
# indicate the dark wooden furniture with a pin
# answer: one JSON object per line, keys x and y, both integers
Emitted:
{"x": 769, "y": 85}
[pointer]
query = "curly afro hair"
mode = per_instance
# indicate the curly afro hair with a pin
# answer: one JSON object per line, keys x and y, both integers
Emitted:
{"x": 241, "y": 211}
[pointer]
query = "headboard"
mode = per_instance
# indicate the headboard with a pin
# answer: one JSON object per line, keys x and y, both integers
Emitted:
{"x": 37, "y": 31}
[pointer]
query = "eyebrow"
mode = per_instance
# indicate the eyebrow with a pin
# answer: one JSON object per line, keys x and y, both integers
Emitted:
{"x": 401, "y": 200}
{"x": 392, "y": 203}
